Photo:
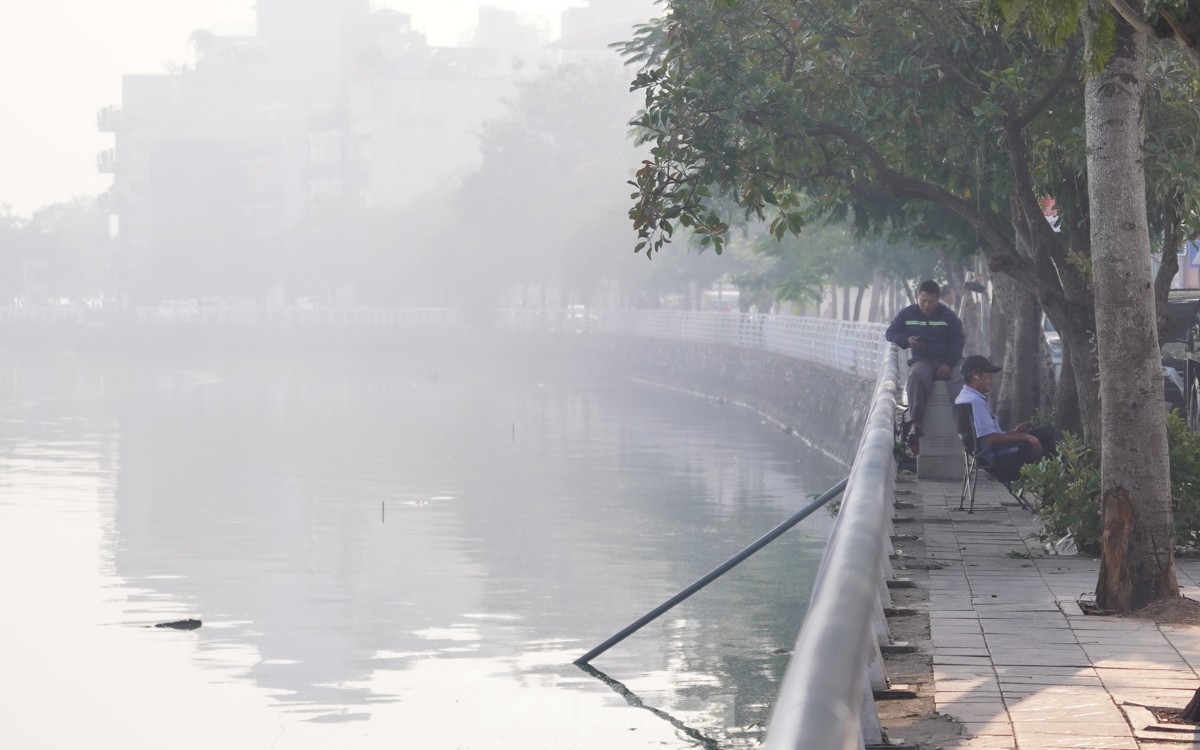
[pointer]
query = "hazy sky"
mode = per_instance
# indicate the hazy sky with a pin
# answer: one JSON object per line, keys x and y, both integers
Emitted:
{"x": 62, "y": 60}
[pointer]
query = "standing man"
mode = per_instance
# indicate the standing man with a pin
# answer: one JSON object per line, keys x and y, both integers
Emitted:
{"x": 1005, "y": 451}
{"x": 934, "y": 336}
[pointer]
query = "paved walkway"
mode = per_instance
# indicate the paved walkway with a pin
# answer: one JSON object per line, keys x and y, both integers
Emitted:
{"x": 1016, "y": 660}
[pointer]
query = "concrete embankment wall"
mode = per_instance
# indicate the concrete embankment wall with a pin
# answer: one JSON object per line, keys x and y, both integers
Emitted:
{"x": 824, "y": 407}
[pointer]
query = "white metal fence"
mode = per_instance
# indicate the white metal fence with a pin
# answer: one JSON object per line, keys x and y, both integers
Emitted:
{"x": 856, "y": 348}
{"x": 851, "y": 347}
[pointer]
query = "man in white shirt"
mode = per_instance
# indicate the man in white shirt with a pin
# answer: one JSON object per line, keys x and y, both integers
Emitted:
{"x": 1006, "y": 452}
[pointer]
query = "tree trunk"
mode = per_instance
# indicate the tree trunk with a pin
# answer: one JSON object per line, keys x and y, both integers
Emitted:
{"x": 1079, "y": 356}
{"x": 1191, "y": 712}
{"x": 858, "y": 301}
{"x": 1066, "y": 399}
{"x": 1003, "y": 291}
{"x": 1024, "y": 360}
{"x": 1137, "y": 555}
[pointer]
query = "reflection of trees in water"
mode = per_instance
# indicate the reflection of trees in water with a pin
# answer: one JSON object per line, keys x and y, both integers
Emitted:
{"x": 513, "y": 512}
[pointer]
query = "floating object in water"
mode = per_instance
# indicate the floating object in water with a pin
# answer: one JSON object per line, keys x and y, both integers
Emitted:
{"x": 189, "y": 624}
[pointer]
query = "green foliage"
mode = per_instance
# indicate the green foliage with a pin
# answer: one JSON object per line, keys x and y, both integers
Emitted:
{"x": 872, "y": 109}
{"x": 1184, "y": 447}
{"x": 1042, "y": 418}
{"x": 1069, "y": 487}
{"x": 64, "y": 242}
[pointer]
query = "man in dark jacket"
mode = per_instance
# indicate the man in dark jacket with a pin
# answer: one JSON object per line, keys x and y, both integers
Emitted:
{"x": 934, "y": 336}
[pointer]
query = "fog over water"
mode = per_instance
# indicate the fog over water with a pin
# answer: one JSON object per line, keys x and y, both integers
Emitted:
{"x": 209, "y": 407}
{"x": 386, "y": 552}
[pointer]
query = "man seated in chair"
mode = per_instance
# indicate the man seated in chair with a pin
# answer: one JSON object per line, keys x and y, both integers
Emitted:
{"x": 1002, "y": 452}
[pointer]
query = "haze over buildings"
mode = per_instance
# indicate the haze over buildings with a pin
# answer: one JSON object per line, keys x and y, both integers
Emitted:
{"x": 325, "y": 102}
{"x": 60, "y": 60}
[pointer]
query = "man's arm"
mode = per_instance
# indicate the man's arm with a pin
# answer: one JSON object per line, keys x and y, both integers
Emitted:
{"x": 897, "y": 332}
{"x": 1002, "y": 439}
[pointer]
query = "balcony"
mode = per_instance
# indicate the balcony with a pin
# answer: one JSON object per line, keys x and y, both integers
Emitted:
{"x": 106, "y": 162}
{"x": 108, "y": 120}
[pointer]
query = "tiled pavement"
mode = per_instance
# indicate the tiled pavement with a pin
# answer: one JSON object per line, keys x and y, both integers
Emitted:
{"x": 1015, "y": 659}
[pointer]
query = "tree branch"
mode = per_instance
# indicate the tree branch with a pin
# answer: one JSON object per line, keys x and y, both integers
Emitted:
{"x": 1065, "y": 75}
{"x": 900, "y": 185}
{"x": 1133, "y": 19}
{"x": 1180, "y": 33}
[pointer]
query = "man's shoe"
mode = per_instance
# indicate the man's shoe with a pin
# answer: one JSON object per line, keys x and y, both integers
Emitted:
{"x": 915, "y": 441}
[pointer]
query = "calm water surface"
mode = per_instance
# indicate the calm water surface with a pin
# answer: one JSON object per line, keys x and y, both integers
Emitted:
{"x": 386, "y": 556}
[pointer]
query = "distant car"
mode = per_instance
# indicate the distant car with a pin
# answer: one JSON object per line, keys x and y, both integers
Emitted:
{"x": 580, "y": 320}
{"x": 1180, "y": 355}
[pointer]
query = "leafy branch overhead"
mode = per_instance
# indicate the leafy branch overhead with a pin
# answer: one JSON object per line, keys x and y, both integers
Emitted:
{"x": 763, "y": 102}
{"x": 876, "y": 111}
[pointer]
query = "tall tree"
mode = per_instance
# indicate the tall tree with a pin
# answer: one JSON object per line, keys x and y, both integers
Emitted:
{"x": 545, "y": 205}
{"x": 904, "y": 114}
{"x": 1137, "y": 557}
{"x": 879, "y": 105}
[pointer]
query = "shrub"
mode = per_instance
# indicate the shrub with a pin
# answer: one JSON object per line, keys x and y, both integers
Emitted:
{"x": 1069, "y": 488}
{"x": 1185, "y": 480}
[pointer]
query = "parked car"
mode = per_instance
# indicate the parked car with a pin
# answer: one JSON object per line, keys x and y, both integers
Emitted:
{"x": 1181, "y": 355}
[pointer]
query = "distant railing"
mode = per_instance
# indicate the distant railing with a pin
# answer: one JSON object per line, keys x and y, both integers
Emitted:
{"x": 851, "y": 347}
{"x": 856, "y": 348}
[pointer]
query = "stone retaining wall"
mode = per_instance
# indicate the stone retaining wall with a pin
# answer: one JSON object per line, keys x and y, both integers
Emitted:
{"x": 824, "y": 407}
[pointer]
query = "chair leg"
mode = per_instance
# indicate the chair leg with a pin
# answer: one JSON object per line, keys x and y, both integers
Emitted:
{"x": 1020, "y": 496}
{"x": 962, "y": 496}
{"x": 974, "y": 480}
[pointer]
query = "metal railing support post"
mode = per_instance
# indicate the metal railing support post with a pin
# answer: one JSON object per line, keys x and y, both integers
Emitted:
{"x": 871, "y": 731}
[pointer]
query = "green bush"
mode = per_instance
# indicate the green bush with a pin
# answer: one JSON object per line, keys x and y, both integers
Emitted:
{"x": 1185, "y": 481}
{"x": 1069, "y": 489}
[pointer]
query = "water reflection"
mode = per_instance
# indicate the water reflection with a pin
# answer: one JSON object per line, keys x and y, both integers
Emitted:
{"x": 409, "y": 552}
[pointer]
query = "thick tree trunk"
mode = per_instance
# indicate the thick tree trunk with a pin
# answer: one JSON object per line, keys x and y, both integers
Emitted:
{"x": 1066, "y": 399}
{"x": 1003, "y": 294}
{"x": 972, "y": 318}
{"x": 1080, "y": 414}
{"x": 1023, "y": 373}
{"x": 1137, "y": 558}
{"x": 1191, "y": 712}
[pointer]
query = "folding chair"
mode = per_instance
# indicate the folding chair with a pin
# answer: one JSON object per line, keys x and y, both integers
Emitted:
{"x": 964, "y": 423}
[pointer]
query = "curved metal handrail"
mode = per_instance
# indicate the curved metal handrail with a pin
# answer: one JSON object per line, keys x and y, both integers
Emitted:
{"x": 825, "y": 699}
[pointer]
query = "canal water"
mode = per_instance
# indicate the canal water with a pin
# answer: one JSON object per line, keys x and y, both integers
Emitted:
{"x": 387, "y": 554}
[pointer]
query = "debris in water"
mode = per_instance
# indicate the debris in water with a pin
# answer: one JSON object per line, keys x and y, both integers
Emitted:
{"x": 189, "y": 624}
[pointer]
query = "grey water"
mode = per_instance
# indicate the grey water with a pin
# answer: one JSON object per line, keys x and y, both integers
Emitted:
{"x": 387, "y": 554}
